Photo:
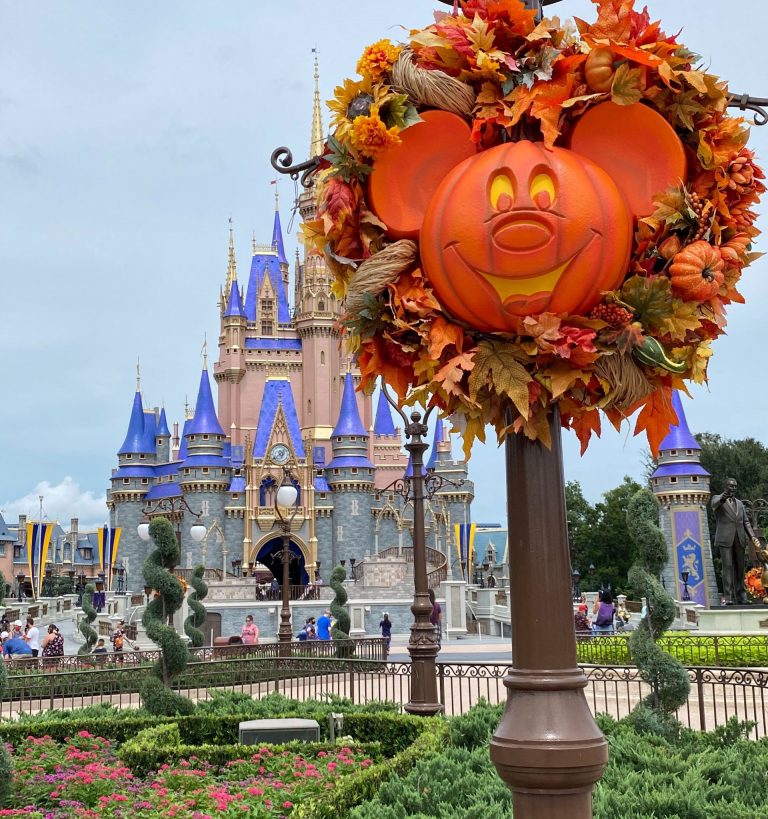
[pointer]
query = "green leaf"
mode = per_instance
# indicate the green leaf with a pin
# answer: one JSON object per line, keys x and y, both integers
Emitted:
{"x": 627, "y": 88}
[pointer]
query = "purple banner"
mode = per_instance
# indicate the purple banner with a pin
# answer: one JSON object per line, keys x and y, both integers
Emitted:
{"x": 686, "y": 531}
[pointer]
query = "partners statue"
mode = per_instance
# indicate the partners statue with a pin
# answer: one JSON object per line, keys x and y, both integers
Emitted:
{"x": 733, "y": 536}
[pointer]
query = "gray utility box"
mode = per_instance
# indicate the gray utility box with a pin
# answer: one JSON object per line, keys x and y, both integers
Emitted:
{"x": 278, "y": 731}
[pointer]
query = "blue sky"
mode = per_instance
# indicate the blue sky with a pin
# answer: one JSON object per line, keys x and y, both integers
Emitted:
{"x": 131, "y": 132}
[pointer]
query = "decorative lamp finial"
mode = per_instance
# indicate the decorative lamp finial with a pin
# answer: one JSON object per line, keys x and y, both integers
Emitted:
{"x": 232, "y": 263}
{"x": 205, "y": 351}
{"x": 138, "y": 375}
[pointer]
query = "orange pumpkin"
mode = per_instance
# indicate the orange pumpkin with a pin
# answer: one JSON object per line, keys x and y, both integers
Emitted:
{"x": 599, "y": 70}
{"x": 697, "y": 272}
{"x": 520, "y": 230}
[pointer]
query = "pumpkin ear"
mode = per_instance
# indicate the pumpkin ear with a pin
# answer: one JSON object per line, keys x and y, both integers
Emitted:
{"x": 636, "y": 146}
{"x": 405, "y": 177}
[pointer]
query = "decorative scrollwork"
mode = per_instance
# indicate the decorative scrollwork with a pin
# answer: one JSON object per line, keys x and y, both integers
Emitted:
{"x": 282, "y": 162}
{"x": 757, "y": 105}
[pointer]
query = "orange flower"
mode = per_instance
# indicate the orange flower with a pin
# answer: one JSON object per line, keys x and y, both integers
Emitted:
{"x": 377, "y": 60}
{"x": 754, "y": 584}
{"x": 371, "y": 136}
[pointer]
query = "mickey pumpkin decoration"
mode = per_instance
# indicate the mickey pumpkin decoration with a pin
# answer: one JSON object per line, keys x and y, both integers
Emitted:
{"x": 516, "y": 215}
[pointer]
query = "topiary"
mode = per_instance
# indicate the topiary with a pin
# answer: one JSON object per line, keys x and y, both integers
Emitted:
{"x": 197, "y": 615}
{"x": 89, "y": 633}
{"x": 156, "y": 694}
{"x": 340, "y": 628}
{"x": 667, "y": 677}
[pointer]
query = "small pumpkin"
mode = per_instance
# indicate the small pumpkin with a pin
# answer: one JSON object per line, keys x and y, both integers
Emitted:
{"x": 697, "y": 272}
{"x": 599, "y": 70}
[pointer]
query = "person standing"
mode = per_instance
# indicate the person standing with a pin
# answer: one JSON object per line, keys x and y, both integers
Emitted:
{"x": 53, "y": 642}
{"x": 32, "y": 636}
{"x": 386, "y": 630}
{"x": 250, "y": 632}
{"x": 733, "y": 534}
{"x": 324, "y": 626}
{"x": 16, "y": 646}
{"x": 436, "y": 617}
{"x": 603, "y": 611}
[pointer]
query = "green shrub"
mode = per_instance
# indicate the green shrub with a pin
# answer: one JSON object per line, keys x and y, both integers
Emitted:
{"x": 86, "y": 629}
{"x": 197, "y": 609}
{"x": 474, "y": 729}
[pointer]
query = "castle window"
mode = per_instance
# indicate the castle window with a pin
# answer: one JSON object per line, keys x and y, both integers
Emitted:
{"x": 145, "y": 480}
{"x": 267, "y": 328}
{"x": 126, "y": 481}
{"x": 141, "y": 457}
{"x": 689, "y": 452}
{"x": 186, "y": 471}
{"x": 17, "y": 552}
{"x": 321, "y": 306}
{"x": 353, "y": 470}
{"x": 309, "y": 407}
{"x": 322, "y": 357}
{"x": 2, "y": 550}
{"x": 322, "y": 496}
{"x": 67, "y": 552}
{"x": 205, "y": 437}
{"x": 128, "y": 457}
{"x": 673, "y": 480}
{"x": 267, "y": 306}
{"x": 695, "y": 479}
{"x": 335, "y": 471}
{"x": 205, "y": 470}
{"x": 235, "y": 495}
{"x": 673, "y": 452}
{"x": 353, "y": 437}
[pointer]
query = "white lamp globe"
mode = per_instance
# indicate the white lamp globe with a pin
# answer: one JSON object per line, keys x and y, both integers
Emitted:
{"x": 287, "y": 495}
{"x": 197, "y": 532}
{"x": 143, "y": 530}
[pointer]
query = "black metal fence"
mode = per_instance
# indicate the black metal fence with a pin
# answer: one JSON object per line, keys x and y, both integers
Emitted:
{"x": 717, "y": 694}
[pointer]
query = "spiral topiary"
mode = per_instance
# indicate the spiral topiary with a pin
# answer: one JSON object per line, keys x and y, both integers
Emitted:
{"x": 86, "y": 629}
{"x": 156, "y": 694}
{"x": 197, "y": 615}
{"x": 667, "y": 677}
{"x": 340, "y": 629}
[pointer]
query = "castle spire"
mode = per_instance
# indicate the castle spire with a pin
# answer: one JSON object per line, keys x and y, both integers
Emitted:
{"x": 232, "y": 264}
{"x": 316, "y": 141}
{"x": 383, "y": 425}
{"x": 134, "y": 438}
{"x": 349, "y": 422}
{"x": 679, "y": 435}
{"x": 205, "y": 420}
{"x": 277, "y": 238}
{"x": 438, "y": 439}
{"x": 235, "y": 303}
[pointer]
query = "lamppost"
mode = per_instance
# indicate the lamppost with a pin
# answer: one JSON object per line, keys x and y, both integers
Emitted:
{"x": 173, "y": 509}
{"x": 575, "y": 584}
{"x": 286, "y": 509}
{"x": 423, "y": 644}
{"x": 71, "y": 576}
{"x": 80, "y": 588}
{"x": 684, "y": 577}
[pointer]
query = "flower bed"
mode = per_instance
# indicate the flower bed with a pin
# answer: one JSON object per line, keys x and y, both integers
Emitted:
{"x": 83, "y": 777}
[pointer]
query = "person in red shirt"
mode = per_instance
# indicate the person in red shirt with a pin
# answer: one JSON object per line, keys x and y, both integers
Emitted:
{"x": 250, "y": 632}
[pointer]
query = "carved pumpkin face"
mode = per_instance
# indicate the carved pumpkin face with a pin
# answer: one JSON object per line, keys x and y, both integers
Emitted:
{"x": 520, "y": 230}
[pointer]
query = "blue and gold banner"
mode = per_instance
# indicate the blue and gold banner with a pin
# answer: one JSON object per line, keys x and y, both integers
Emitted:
{"x": 686, "y": 533}
{"x": 109, "y": 542}
{"x": 465, "y": 545}
{"x": 38, "y": 541}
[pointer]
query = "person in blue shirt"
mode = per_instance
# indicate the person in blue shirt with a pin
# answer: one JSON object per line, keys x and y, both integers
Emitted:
{"x": 324, "y": 626}
{"x": 16, "y": 645}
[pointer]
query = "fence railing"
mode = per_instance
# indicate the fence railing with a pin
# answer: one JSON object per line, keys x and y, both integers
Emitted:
{"x": 690, "y": 649}
{"x": 435, "y": 558}
{"x": 367, "y": 648}
{"x": 717, "y": 694}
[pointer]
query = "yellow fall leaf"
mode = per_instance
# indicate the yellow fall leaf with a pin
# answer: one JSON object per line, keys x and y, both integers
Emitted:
{"x": 496, "y": 366}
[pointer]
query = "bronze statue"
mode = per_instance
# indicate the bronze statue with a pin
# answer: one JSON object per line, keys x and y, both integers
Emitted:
{"x": 733, "y": 536}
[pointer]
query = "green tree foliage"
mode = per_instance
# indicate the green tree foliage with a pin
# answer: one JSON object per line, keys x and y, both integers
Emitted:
{"x": 86, "y": 629}
{"x": 340, "y": 628}
{"x": 599, "y": 536}
{"x": 667, "y": 677}
{"x": 156, "y": 694}
{"x": 197, "y": 614}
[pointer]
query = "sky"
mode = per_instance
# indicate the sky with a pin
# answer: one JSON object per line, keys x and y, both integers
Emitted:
{"x": 131, "y": 132}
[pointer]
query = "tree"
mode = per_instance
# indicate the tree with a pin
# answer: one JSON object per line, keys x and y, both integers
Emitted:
{"x": 666, "y": 676}
{"x": 197, "y": 609}
{"x": 86, "y": 629}
{"x": 156, "y": 693}
{"x": 340, "y": 628}
{"x": 598, "y": 535}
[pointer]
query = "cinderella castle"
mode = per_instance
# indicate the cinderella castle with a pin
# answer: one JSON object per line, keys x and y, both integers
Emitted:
{"x": 288, "y": 409}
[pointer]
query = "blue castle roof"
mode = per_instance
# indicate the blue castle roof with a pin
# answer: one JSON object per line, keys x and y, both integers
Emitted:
{"x": 349, "y": 422}
{"x": 273, "y": 344}
{"x": 679, "y": 436}
{"x": 237, "y": 484}
{"x": 5, "y": 534}
{"x": 277, "y": 392}
{"x": 266, "y": 264}
{"x": 183, "y": 445}
{"x": 150, "y": 430}
{"x": 383, "y": 424}
{"x": 205, "y": 420}
{"x": 277, "y": 239}
{"x": 409, "y": 469}
{"x": 235, "y": 303}
{"x": 439, "y": 435}
{"x": 163, "y": 490}
{"x": 162, "y": 426}
{"x": 135, "y": 441}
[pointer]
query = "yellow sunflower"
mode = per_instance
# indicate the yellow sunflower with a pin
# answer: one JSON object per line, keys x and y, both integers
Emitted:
{"x": 353, "y": 98}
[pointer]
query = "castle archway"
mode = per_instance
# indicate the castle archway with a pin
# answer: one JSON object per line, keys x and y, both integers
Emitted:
{"x": 269, "y": 554}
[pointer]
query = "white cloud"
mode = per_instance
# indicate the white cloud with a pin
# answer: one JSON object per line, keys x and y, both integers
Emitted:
{"x": 61, "y": 502}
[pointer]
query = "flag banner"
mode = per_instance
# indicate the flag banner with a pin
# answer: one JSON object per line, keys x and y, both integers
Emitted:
{"x": 465, "y": 541}
{"x": 109, "y": 541}
{"x": 38, "y": 541}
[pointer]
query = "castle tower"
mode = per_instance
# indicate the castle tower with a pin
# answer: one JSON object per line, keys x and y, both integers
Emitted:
{"x": 388, "y": 452}
{"x": 129, "y": 485}
{"x": 681, "y": 485}
{"x": 204, "y": 476}
{"x": 163, "y": 439}
{"x": 351, "y": 477}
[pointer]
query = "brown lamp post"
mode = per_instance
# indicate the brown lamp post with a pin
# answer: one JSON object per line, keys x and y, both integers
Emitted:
{"x": 286, "y": 508}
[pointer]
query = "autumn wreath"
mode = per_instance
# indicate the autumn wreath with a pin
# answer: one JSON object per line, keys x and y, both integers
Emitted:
{"x": 486, "y": 89}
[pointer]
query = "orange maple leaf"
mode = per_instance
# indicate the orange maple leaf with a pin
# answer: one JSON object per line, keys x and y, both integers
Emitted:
{"x": 614, "y": 20}
{"x": 374, "y": 362}
{"x": 584, "y": 425}
{"x": 656, "y": 417}
{"x": 442, "y": 334}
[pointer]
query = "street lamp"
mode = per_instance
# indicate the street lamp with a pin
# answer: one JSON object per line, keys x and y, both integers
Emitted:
{"x": 575, "y": 584}
{"x": 173, "y": 508}
{"x": 286, "y": 509}
{"x": 684, "y": 577}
